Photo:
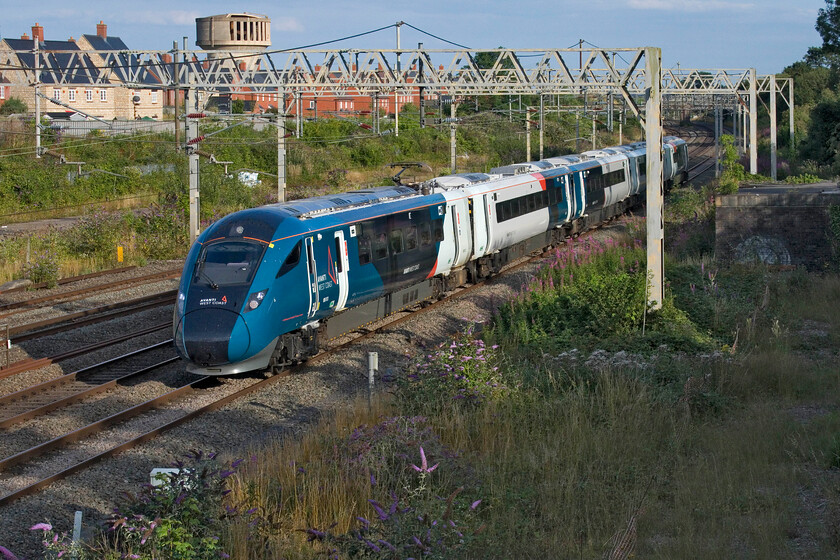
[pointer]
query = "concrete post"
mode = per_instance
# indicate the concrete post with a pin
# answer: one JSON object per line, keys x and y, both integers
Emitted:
{"x": 281, "y": 145}
{"x": 744, "y": 129}
{"x": 453, "y": 149}
{"x": 791, "y": 106}
{"x": 717, "y": 141}
{"x": 176, "y": 58}
{"x": 37, "y": 98}
{"x": 773, "y": 172}
{"x": 192, "y": 154}
{"x": 655, "y": 189}
{"x": 753, "y": 124}
{"x": 542, "y": 124}
{"x": 527, "y": 134}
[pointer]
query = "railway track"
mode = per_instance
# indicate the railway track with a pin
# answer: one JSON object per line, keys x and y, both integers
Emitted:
{"x": 69, "y": 280}
{"x": 39, "y": 401}
{"x": 47, "y": 327}
{"x": 15, "y": 307}
{"x": 30, "y": 364}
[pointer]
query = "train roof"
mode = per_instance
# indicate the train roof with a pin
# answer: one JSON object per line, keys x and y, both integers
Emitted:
{"x": 310, "y": 207}
{"x": 458, "y": 180}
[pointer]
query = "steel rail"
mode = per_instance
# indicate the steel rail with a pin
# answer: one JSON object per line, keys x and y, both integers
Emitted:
{"x": 84, "y": 291}
{"x": 56, "y": 325}
{"x": 73, "y": 387}
{"x": 69, "y": 279}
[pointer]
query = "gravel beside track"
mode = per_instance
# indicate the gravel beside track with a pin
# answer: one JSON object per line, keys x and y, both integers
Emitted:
{"x": 286, "y": 409}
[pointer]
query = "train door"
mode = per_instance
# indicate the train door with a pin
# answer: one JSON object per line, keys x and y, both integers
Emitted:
{"x": 342, "y": 265}
{"x": 312, "y": 272}
{"x": 480, "y": 224}
{"x": 580, "y": 194}
{"x": 461, "y": 230}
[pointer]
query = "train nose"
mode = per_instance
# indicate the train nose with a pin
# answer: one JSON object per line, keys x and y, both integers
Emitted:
{"x": 208, "y": 337}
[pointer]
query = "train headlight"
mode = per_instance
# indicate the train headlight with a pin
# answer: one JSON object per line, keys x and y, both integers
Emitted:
{"x": 181, "y": 302}
{"x": 254, "y": 300}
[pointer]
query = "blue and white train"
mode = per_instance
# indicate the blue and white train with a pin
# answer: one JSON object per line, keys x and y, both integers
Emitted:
{"x": 267, "y": 287}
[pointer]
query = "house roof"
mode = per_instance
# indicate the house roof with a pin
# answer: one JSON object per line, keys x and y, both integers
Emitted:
{"x": 131, "y": 68}
{"x": 69, "y": 67}
{"x": 64, "y": 66}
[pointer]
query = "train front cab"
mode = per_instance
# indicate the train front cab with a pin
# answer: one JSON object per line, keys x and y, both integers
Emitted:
{"x": 235, "y": 294}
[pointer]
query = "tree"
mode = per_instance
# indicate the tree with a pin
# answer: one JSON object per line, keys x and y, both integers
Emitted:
{"x": 811, "y": 81}
{"x": 828, "y": 26}
{"x": 13, "y": 105}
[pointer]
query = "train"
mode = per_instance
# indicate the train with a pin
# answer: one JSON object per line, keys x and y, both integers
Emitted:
{"x": 268, "y": 287}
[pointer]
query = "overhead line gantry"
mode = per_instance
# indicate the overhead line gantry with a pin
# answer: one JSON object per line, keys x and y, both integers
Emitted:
{"x": 634, "y": 73}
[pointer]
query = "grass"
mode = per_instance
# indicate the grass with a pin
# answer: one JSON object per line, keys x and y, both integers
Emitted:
{"x": 693, "y": 449}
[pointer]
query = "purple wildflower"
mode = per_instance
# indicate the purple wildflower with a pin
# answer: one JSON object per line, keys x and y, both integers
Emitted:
{"x": 7, "y": 554}
{"x": 42, "y": 526}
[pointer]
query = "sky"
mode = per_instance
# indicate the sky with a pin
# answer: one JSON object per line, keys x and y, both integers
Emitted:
{"x": 726, "y": 34}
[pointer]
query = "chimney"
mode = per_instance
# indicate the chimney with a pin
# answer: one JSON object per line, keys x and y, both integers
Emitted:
{"x": 102, "y": 30}
{"x": 38, "y": 32}
{"x": 24, "y": 37}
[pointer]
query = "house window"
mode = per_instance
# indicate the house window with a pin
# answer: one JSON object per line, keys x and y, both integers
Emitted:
{"x": 154, "y": 96}
{"x": 2, "y": 92}
{"x": 71, "y": 95}
{"x": 57, "y": 94}
{"x": 103, "y": 95}
{"x": 88, "y": 95}
{"x": 311, "y": 104}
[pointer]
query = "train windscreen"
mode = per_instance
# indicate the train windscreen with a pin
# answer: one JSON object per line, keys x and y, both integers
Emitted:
{"x": 228, "y": 263}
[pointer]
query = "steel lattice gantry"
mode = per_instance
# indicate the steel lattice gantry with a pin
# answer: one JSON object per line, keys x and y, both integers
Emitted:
{"x": 634, "y": 73}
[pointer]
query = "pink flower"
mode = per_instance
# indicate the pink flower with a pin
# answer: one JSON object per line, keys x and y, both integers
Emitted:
{"x": 41, "y": 526}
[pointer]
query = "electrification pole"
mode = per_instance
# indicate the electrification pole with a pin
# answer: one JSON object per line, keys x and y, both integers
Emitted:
{"x": 281, "y": 145}
{"x": 655, "y": 189}
{"x": 453, "y": 149}
{"x": 399, "y": 24}
{"x": 421, "y": 89}
{"x": 542, "y": 124}
{"x": 176, "y": 57}
{"x": 527, "y": 134}
{"x": 37, "y": 97}
{"x": 192, "y": 153}
{"x": 773, "y": 156}
{"x": 753, "y": 124}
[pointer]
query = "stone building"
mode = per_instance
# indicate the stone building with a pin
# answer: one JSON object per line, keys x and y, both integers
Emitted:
{"x": 78, "y": 63}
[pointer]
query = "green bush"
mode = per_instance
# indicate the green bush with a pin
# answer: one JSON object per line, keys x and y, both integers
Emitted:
{"x": 95, "y": 236}
{"x": 43, "y": 268}
{"x": 463, "y": 372}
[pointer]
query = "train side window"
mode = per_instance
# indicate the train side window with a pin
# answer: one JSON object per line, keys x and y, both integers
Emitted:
{"x": 291, "y": 261}
{"x": 364, "y": 250}
{"x": 425, "y": 234}
{"x": 411, "y": 238}
{"x": 532, "y": 202}
{"x": 397, "y": 242}
{"x": 437, "y": 230}
{"x": 380, "y": 247}
{"x": 339, "y": 262}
